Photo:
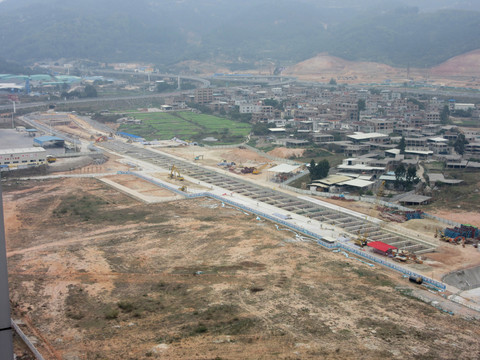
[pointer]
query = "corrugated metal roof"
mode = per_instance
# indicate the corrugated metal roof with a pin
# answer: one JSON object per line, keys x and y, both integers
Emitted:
{"x": 22, "y": 150}
{"x": 414, "y": 199}
{"x": 46, "y": 138}
{"x": 333, "y": 179}
{"x": 323, "y": 186}
{"x": 380, "y": 246}
{"x": 357, "y": 183}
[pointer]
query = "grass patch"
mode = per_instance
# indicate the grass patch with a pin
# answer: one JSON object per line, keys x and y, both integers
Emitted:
{"x": 126, "y": 306}
{"x": 187, "y": 125}
{"x": 90, "y": 208}
{"x": 373, "y": 277}
{"x": 384, "y": 329}
{"x": 465, "y": 196}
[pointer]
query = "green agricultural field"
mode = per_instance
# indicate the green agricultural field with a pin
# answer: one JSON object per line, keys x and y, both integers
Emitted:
{"x": 187, "y": 126}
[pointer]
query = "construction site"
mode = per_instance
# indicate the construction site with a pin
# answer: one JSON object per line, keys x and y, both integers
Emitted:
{"x": 168, "y": 253}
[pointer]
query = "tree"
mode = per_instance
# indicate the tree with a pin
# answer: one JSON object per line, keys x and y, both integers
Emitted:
{"x": 401, "y": 145}
{"x": 445, "y": 115}
{"x": 260, "y": 129}
{"x": 361, "y": 105}
{"x": 318, "y": 171}
{"x": 323, "y": 167}
{"x": 270, "y": 102}
{"x": 164, "y": 87}
{"x": 332, "y": 82}
{"x": 417, "y": 102}
{"x": 411, "y": 175}
{"x": 459, "y": 145}
{"x": 90, "y": 91}
{"x": 311, "y": 169}
{"x": 400, "y": 172}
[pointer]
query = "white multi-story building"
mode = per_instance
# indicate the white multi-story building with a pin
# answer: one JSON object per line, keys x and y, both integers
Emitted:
{"x": 18, "y": 158}
{"x": 249, "y": 108}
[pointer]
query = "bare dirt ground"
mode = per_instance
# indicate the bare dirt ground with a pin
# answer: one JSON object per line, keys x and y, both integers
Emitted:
{"x": 99, "y": 275}
{"x": 447, "y": 258}
{"x": 212, "y": 157}
{"x": 462, "y": 217}
{"x": 141, "y": 186}
{"x": 460, "y": 71}
{"x": 286, "y": 153}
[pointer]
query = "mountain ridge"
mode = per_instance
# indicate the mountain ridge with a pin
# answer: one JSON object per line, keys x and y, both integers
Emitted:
{"x": 285, "y": 32}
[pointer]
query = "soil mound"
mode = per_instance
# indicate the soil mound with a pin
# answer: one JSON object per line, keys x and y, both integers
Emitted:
{"x": 463, "y": 65}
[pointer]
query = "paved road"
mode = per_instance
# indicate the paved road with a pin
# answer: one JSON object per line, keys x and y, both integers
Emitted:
{"x": 90, "y": 100}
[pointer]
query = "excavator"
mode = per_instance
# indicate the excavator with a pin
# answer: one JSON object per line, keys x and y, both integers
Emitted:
{"x": 101, "y": 139}
{"x": 175, "y": 174}
{"x": 361, "y": 240}
{"x": 257, "y": 171}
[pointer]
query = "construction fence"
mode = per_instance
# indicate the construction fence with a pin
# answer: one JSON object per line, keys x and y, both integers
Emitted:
{"x": 319, "y": 238}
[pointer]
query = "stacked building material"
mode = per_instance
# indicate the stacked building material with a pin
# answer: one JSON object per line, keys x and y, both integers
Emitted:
{"x": 417, "y": 214}
{"x": 465, "y": 230}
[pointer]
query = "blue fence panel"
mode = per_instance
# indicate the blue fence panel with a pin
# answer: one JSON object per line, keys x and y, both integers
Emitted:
{"x": 318, "y": 237}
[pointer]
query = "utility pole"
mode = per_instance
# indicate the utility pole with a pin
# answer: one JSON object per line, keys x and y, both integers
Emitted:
{"x": 6, "y": 335}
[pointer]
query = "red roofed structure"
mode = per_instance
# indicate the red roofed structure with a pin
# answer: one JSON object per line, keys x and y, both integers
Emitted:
{"x": 381, "y": 247}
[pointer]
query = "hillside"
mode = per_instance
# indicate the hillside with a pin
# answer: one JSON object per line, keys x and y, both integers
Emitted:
{"x": 462, "y": 65}
{"x": 324, "y": 67}
{"x": 240, "y": 34}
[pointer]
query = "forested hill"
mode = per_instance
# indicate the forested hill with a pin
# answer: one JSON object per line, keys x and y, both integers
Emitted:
{"x": 166, "y": 31}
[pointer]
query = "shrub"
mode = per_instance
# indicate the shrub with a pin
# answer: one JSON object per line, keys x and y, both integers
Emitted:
{"x": 126, "y": 306}
{"x": 111, "y": 314}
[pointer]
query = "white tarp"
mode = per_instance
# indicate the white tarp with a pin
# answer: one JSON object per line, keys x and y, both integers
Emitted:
{"x": 284, "y": 168}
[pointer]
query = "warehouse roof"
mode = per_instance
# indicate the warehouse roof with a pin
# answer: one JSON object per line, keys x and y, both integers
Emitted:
{"x": 414, "y": 199}
{"x": 366, "y": 136}
{"x": 333, "y": 179}
{"x": 357, "y": 183}
{"x": 317, "y": 184}
{"x": 46, "y": 138}
{"x": 21, "y": 151}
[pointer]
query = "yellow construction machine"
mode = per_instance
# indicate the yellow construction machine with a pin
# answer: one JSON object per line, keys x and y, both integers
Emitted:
{"x": 51, "y": 159}
{"x": 175, "y": 174}
{"x": 257, "y": 171}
